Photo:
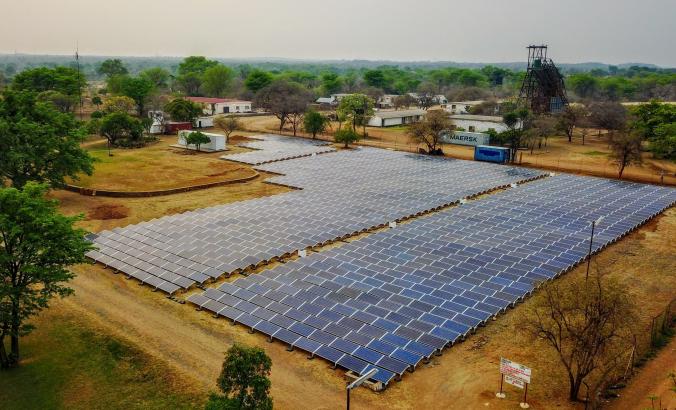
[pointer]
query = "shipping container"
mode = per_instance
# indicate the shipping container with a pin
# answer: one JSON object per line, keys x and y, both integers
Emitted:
{"x": 487, "y": 153}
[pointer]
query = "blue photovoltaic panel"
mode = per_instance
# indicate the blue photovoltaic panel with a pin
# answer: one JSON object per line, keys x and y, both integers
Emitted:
{"x": 408, "y": 292}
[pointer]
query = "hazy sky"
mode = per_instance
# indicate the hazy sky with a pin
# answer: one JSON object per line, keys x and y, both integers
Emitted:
{"x": 610, "y": 31}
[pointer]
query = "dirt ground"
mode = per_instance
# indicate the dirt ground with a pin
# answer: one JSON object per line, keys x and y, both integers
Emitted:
{"x": 558, "y": 154}
{"x": 652, "y": 380}
{"x": 466, "y": 376}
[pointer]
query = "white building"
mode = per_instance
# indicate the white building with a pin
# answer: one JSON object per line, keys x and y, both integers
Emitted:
{"x": 333, "y": 99}
{"x": 478, "y": 123}
{"x": 386, "y": 101}
{"x": 213, "y": 106}
{"x": 158, "y": 122}
{"x": 217, "y": 141}
{"x": 391, "y": 118}
{"x": 461, "y": 107}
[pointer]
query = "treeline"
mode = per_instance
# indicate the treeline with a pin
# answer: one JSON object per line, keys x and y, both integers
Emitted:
{"x": 188, "y": 76}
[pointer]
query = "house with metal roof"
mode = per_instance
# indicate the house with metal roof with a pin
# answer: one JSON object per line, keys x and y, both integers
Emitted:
{"x": 213, "y": 106}
{"x": 398, "y": 117}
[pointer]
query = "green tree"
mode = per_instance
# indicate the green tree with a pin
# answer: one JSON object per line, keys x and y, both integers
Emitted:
{"x": 38, "y": 246}
{"x": 228, "y": 124}
{"x": 663, "y": 143}
{"x": 181, "y": 109}
{"x": 346, "y": 136}
{"x": 64, "y": 103}
{"x": 96, "y": 100}
{"x": 197, "y": 138}
{"x": 158, "y": 77}
{"x": 138, "y": 89}
{"x": 244, "y": 380}
{"x": 315, "y": 123}
{"x": 584, "y": 85}
{"x": 120, "y": 126}
{"x": 190, "y": 72}
{"x": 216, "y": 80}
{"x": 112, "y": 67}
{"x": 375, "y": 78}
{"x": 257, "y": 79}
{"x": 119, "y": 103}
{"x": 357, "y": 108}
{"x": 656, "y": 122}
{"x": 571, "y": 117}
{"x": 65, "y": 80}
{"x": 331, "y": 83}
{"x": 39, "y": 143}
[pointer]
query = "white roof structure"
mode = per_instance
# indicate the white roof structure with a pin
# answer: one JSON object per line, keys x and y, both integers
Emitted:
{"x": 470, "y": 117}
{"x": 398, "y": 113}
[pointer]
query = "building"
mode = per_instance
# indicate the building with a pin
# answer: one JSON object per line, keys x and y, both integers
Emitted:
{"x": 332, "y": 100}
{"x": 386, "y": 101}
{"x": 478, "y": 123}
{"x": 392, "y": 118}
{"x": 213, "y": 106}
{"x": 217, "y": 141}
{"x": 461, "y": 107}
{"x": 172, "y": 127}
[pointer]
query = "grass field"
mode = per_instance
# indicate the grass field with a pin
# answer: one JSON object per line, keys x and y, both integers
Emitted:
{"x": 68, "y": 364}
{"x": 159, "y": 166}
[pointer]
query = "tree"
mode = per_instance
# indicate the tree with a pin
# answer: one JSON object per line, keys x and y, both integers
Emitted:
{"x": 571, "y": 117}
{"x": 430, "y": 130}
{"x": 584, "y": 85}
{"x": 346, "y": 136}
{"x": 190, "y": 73}
{"x": 611, "y": 116}
{"x": 227, "y": 124}
{"x": 315, "y": 123}
{"x": 541, "y": 128}
{"x": 625, "y": 150}
{"x": 197, "y": 138}
{"x": 663, "y": 142}
{"x": 157, "y": 76}
{"x": 112, "y": 67}
{"x": 517, "y": 122}
{"x": 181, "y": 109}
{"x": 403, "y": 101}
{"x": 656, "y": 122}
{"x": 64, "y": 103}
{"x": 96, "y": 100}
{"x": 257, "y": 79}
{"x": 585, "y": 322}
{"x": 331, "y": 82}
{"x": 283, "y": 98}
{"x": 38, "y": 246}
{"x": 120, "y": 103}
{"x": 244, "y": 380}
{"x": 216, "y": 80}
{"x": 138, "y": 89}
{"x": 357, "y": 108}
{"x": 375, "y": 78}
{"x": 39, "y": 143}
{"x": 190, "y": 83}
{"x": 65, "y": 80}
{"x": 118, "y": 126}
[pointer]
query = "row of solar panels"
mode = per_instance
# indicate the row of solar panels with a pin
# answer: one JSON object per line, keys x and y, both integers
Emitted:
{"x": 196, "y": 246}
{"x": 421, "y": 286}
{"x": 272, "y": 148}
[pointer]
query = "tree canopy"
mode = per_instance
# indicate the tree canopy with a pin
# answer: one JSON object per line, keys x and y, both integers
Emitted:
{"x": 356, "y": 108}
{"x": 197, "y": 138}
{"x": 283, "y": 98}
{"x": 257, "y": 79}
{"x": 138, "y": 89}
{"x": 346, "y": 136}
{"x": 39, "y": 143}
{"x": 112, "y": 67}
{"x": 430, "y": 130}
{"x": 315, "y": 123}
{"x": 38, "y": 246}
{"x": 64, "y": 80}
{"x": 244, "y": 380}
{"x": 181, "y": 109}
{"x": 216, "y": 80}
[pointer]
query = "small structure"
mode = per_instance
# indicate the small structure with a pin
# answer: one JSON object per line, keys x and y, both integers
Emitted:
{"x": 213, "y": 106}
{"x": 466, "y": 138}
{"x": 479, "y": 123}
{"x": 391, "y": 118}
{"x": 172, "y": 127}
{"x": 217, "y": 142}
{"x": 330, "y": 101}
{"x": 386, "y": 101}
{"x": 487, "y": 153}
{"x": 543, "y": 89}
{"x": 204, "y": 122}
{"x": 462, "y": 107}
{"x": 159, "y": 122}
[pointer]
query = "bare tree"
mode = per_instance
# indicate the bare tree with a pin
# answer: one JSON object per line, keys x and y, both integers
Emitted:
{"x": 403, "y": 101}
{"x": 611, "y": 116}
{"x": 588, "y": 324}
{"x": 283, "y": 98}
{"x": 227, "y": 124}
{"x": 571, "y": 117}
{"x": 541, "y": 128}
{"x": 625, "y": 150}
{"x": 430, "y": 130}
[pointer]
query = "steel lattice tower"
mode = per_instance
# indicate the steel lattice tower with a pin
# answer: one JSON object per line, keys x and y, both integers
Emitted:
{"x": 543, "y": 90}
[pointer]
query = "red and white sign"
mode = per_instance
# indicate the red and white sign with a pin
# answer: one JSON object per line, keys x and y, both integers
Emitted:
{"x": 514, "y": 370}
{"x": 515, "y": 381}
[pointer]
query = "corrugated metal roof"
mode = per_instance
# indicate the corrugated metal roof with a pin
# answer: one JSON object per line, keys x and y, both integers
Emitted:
{"x": 469, "y": 117}
{"x": 398, "y": 113}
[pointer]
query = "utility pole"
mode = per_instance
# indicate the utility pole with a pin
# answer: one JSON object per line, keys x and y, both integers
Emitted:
{"x": 79, "y": 87}
{"x": 591, "y": 240}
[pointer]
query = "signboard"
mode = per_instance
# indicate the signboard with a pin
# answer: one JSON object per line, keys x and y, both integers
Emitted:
{"x": 514, "y": 370}
{"x": 466, "y": 138}
{"x": 515, "y": 381}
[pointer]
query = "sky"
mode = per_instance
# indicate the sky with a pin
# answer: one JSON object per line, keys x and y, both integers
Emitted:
{"x": 608, "y": 31}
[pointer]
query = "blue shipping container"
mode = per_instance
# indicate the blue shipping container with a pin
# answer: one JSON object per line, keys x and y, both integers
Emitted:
{"x": 491, "y": 154}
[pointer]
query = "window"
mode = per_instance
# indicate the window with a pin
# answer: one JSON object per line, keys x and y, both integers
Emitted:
{"x": 453, "y": 106}
{"x": 471, "y": 128}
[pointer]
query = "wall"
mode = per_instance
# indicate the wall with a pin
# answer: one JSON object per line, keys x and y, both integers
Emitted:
{"x": 466, "y": 138}
{"x": 479, "y": 126}
{"x": 217, "y": 141}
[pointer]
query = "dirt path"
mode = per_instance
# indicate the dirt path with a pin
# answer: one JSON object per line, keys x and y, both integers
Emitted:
{"x": 651, "y": 380}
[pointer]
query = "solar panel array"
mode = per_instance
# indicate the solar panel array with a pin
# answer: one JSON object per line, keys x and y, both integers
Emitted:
{"x": 271, "y": 148}
{"x": 344, "y": 193}
{"x": 395, "y": 297}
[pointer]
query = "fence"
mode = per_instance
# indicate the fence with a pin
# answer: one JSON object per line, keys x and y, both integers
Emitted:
{"x": 646, "y": 342}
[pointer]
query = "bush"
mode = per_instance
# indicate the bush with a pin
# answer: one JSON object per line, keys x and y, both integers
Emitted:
{"x": 98, "y": 114}
{"x": 346, "y": 136}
